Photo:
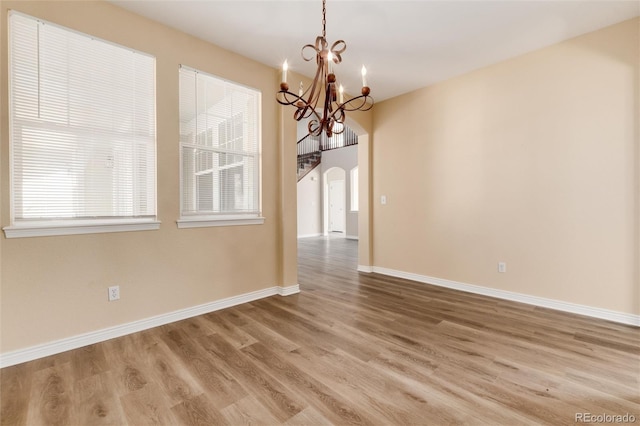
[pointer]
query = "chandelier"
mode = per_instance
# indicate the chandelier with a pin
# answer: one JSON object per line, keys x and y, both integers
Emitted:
{"x": 306, "y": 101}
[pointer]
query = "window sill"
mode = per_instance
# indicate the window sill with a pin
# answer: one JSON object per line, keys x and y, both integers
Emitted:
{"x": 205, "y": 222}
{"x": 49, "y": 229}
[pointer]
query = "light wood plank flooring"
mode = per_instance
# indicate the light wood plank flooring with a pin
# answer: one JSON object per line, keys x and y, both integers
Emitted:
{"x": 351, "y": 348}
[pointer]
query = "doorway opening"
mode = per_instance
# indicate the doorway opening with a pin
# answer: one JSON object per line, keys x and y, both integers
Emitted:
{"x": 333, "y": 195}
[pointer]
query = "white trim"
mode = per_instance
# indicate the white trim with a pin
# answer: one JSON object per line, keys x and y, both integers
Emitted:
{"x": 310, "y": 235}
{"x": 289, "y": 290}
{"x": 365, "y": 268}
{"x": 351, "y": 237}
{"x": 227, "y": 221}
{"x": 77, "y": 228}
{"x": 39, "y": 351}
{"x": 558, "y": 305}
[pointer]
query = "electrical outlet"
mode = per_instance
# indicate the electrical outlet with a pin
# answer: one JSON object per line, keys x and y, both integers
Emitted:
{"x": 114, "y": 293}
{"x": 502, "y": 267}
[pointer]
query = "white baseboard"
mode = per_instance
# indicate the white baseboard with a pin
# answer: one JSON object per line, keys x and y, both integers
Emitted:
{"x": 310, "y": 235}
{"x": 558, "y": 305}
{"x": 74, "y": 342}
{"x": 289, "y": 290}
{"x": 365, "y": 268}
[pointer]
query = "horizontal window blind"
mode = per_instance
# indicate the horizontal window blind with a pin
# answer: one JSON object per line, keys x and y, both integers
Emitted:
{"x": 219, "y": 143}
{"x": 83, "y": 131}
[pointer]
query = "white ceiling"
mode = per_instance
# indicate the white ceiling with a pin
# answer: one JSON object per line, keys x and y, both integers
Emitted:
{"x": 405, "y": 45}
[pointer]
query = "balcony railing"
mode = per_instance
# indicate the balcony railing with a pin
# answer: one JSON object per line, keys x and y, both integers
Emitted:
{"x": 310, "y": 148}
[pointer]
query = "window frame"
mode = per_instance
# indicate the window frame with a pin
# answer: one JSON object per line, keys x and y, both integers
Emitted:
{"x": 200, "y": 219}
{"x": 38, "y": 227}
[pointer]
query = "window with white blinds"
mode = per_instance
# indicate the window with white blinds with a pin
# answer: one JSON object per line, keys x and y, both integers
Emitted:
{"x": 83, "y": 131}
{"x": 220, "y": 149}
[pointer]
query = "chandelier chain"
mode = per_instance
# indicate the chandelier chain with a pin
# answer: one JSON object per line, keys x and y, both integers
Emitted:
{"x": 324, "y": 19}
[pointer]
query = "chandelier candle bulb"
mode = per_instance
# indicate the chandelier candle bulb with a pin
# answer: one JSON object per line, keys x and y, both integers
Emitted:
{"x": 301, "y": 90}
{"x": 364, "y": 76}
{"x": 285, "y": 67}
{"x": 330, "y": 62}
{"x": 341, "y": 90}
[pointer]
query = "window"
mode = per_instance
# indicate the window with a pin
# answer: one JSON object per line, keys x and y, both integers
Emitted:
{"x": 354, "y": 189}
{"x": 219, "y": 146}
{"x": 82, "y": 133}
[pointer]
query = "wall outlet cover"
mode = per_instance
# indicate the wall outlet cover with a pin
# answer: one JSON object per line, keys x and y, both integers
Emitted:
{"x": 114, "y": 293}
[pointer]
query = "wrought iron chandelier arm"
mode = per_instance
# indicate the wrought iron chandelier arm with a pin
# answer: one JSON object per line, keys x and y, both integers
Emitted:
{"x": 359, "y": 103}
{"x": 303, "y": 108}
{"x": 337, "y": 48}
{"x": 284, "y": 97}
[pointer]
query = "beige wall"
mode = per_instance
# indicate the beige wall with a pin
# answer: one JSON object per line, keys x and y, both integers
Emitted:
{"x": 56, "y": 287}
{"x": 532, "y": 161}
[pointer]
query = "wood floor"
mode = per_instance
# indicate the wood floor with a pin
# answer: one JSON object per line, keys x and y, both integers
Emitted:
{"x": 351, "y": 348}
